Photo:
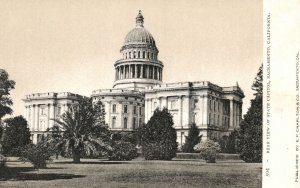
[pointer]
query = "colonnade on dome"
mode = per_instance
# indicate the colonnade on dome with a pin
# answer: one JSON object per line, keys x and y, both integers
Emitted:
{"x": 135, "y": 71}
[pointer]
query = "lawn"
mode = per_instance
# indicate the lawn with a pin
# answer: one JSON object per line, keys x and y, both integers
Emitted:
{"x": 139, "y": 173}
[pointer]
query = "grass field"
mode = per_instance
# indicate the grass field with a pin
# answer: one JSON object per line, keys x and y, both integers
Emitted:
{"x": 165, "y": 174}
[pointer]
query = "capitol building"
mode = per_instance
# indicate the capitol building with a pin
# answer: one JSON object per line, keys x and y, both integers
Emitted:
{"x": 139, "y": 89}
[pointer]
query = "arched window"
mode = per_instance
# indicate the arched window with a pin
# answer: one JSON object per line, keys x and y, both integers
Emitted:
{"x": 152, "y": 57}
{"x": 144, "y": 54}
{"x": 125, "y": 122}
{"x": 148, "y": 55}
{"x": 134, "y": 54}
{"x": 129, "y": 55}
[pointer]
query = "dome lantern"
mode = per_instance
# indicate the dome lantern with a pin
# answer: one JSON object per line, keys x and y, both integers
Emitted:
{"x": 139, "y": 20}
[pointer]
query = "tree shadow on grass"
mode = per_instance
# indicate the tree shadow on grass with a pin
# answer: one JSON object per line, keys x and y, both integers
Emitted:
{"x": 25, "y": 174}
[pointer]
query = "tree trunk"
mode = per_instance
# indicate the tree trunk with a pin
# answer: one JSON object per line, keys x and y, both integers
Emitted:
{"x": 76, "y": 155}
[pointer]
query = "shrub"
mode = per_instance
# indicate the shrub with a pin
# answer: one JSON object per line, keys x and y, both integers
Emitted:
{"x": 122, "y": 151}
{"x": 158, "y": 136}
{"x": 232, "y": 144}
{"x": 192, "y": 139}
{"x": 37, "y": 155}
{"x": 223, "y": 141}
{"x": 125, "y": 137}
{"x": 208, "y": 150}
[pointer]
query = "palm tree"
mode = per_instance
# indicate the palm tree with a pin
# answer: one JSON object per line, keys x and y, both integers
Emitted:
{"x": 82, "y": 130}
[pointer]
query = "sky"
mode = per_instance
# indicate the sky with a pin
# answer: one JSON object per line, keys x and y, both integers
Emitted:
{"x": 71, "y": 45}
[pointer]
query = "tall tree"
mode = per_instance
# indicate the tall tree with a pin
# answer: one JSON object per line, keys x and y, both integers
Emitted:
{"x": 192, "y": 139}
{"x": 83, "y": 130}
{"x": 158, "y": 136}
{"x": 6, "y": 86}
{"x": 250, "y": 133}
{"x": 257, "y": 85}
{"x": 16, "y": 136}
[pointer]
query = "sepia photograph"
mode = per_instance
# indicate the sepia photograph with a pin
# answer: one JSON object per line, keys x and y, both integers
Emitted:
{"x": 140, "y": 93}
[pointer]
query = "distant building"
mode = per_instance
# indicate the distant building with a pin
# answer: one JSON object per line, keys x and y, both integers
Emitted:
{"x": 138, "y": 90}
{"x": 42, "y": 108}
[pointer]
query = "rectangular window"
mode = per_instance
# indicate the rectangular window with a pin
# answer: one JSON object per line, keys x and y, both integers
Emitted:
{"x": 58, "y": 110}
{"x": 173, "y": 104}
{"x": 134, "y": 123}
{"x": 114, "y": 121}
{"x": 215, "y": 120}
{"x": 140, "y": 110}
{"x": 43, "y": 111}
{"x": 125, "y": 108}
{"x": 140, "y": 122}
{"x": 194, "y": 117}
{"x": 195, "y": 103}
{"x": 134, "y": 109}
{"x": 154, "y": 105}
{"x": 114, "y": 108}
{"x": 125, "y": 123}
{"x": 209, "y": 118}
{"x": 216, "y": 104}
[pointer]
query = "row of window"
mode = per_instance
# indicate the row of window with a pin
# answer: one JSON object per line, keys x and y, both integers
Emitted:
{"x": 125, "y": 109}
{"x": 216, "y": 120}
{"x": 43, "y": 111}
{"x": 173, "y": 104}
{"x": 139, "y": 54}
{"x": 135, "y": 98}
{"x": 125, "y": 122}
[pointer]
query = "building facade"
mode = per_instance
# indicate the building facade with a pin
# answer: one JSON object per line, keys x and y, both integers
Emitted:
{"x": 139, "y": 89}
{"x": 216, "y": 111}
{"x": 42, "y": 108}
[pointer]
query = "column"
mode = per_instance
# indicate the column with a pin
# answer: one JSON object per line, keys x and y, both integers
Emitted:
{"x": 124, "y": 71}
{"x": 152, "y": 72}
{"x": 28, "y": 114}
{"x": 127, "y": 72}
{"x": 158, "y": 74}
{"x": 36, "y": 117}
{"x": 32, "y": 117}
{"x": 108, "y": 110}
{"x": 186, "y": 111}
{"x": 131, "y": 71}
{"x": 148, "y": 71}
{"x": 121, "y": 76}
{"x": 118, "y": 73}
{"x": 51, "y": 115}
{"x": 231, "y": 115}
{"x": 180, "y": 111}
{"x": 142, "y": 70}
{"x": 48, "y": 116}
